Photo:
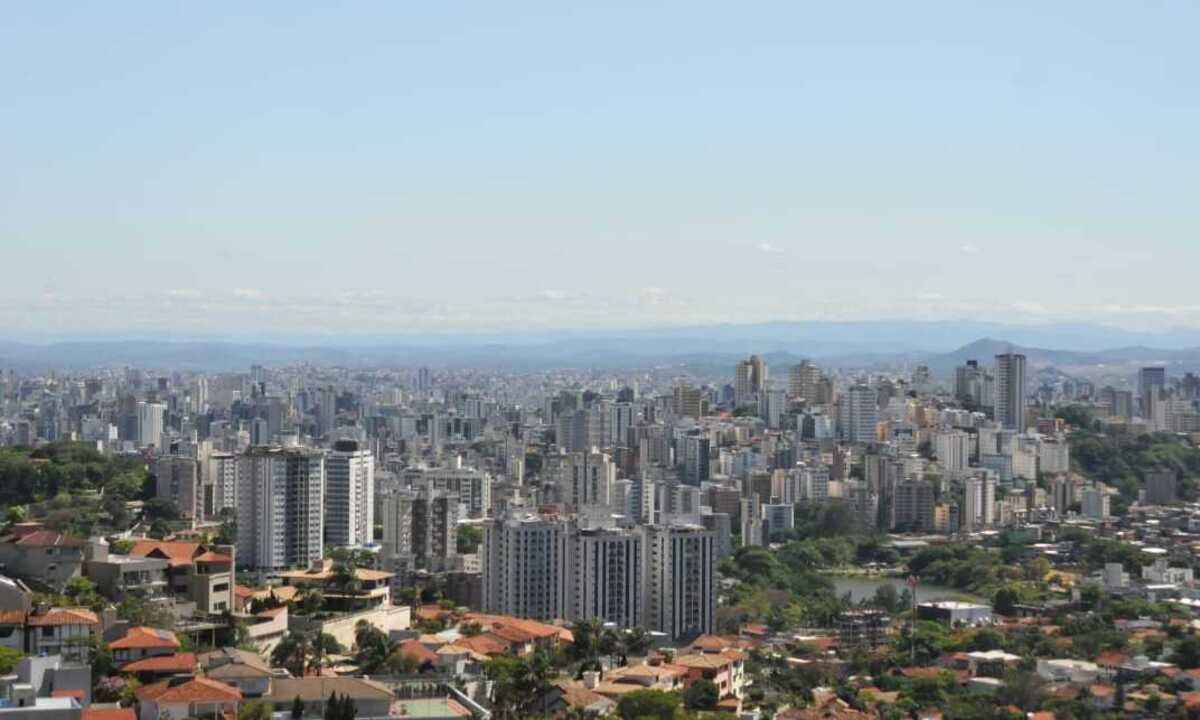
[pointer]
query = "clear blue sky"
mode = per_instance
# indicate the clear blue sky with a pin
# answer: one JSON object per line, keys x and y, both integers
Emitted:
{"x": 402, "y": 165}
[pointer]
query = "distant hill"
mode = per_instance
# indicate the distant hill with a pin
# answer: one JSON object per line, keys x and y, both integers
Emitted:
{"x": 984, "y": 350}
{"x": 942, "y": 345}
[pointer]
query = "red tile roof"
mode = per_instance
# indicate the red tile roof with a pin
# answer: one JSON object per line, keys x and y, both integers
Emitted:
{"x": 137, "y": 638}
{"x": 178, "y": 663}
{"x": 12, "y": 617}
{"x": 485, "y": 644}
{"x": 175, "y": 553}
{"x": 64, "y": 616}
{"x": 198, "y": 689}
{"x": 108, "y": 714}
{"x": 49, "y": 538}
{"x": 418, "y": 652}
{"x": 212, "y": 557}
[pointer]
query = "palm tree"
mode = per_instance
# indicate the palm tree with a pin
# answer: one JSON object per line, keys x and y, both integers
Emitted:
{"x": 294, "y": 652}
{"x": 586, "y": 634}
{"x": 636, "y": 642}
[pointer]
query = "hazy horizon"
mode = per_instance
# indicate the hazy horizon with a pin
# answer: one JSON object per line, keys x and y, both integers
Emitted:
{"x": 300, "y": 168}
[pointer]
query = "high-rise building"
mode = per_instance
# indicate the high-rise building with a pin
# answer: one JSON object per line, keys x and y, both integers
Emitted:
{"x": 686, "y": 401}
{"x": 526, "y": 566}
{"x": 280, "y": 507}
{"x": 327, "y": 411}
{"x": 858, "y": 414}
{"x": 694, "y": 448}
{"x": 434, "y": 529}
{"x": 178, "y": 480}
{"x": 580, "y": 430}
{"x": 1151, "y": 382}
{"x": 680, "y": 592}
{"x": 150, "y": 424}
{"x": 620, "y": 421}
{"x": 607, "y": 576}
{"x": 953, "y": 450}
{"x": 778, "y": 518}
{"x": 349, "y": 495}
{"x": 803, "y": 380}
{"x": 1161, "y": 487}
{"x": 1010, "y": 391}
{"x": 1095, "y": 502}
{"x": 979, "y": 502}
{"x": 1062, "y": 493}
{"x": 220, "y": 485}
{"x": 395, "y": 510}
{"x": 587, "y": 479}
{"x": 473, "y": 487}
{"x": 914, "y": 506}
{"x": 750, "y": 378}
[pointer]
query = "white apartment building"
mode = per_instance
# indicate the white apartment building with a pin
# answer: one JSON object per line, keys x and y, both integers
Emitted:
{"x": 280, "y": 507}
{"x": 953, "y": 450}
{"x": 526, "y": 561}
{"x": 607, "y": 576}
{"x": 587, "y": 478}
{"x": 349, "y": 495}
{"x": 680, "y": 595}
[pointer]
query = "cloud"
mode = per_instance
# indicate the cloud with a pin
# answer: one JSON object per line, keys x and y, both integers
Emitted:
{"x": 768, "y": 248}
{"x": 969, "y": 249}
{"x": 928, "y": 296}
{"x": 556, "y": 295}
{"x": 248, "y": 294}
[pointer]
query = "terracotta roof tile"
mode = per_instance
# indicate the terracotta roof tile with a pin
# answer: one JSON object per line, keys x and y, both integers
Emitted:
{"x": 49, "y": 538}
{"x": 64, "y": 616}
{"x": 178, "y": 663}
{"x": 175, "y": 553}
{"x": 145, "y": 637}
{"x": 197, "y": 689}
{"x": 94, "y": 713}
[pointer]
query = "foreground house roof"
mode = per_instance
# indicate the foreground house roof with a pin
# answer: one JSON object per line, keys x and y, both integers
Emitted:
{"x": 145, "y": 638}
{"x": 194, "y": 690}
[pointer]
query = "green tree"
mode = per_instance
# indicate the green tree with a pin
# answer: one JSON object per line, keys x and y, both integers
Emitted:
{"x": 161, "y": 509}
{"x": 468, "y": 539}
{"x": 373, "y": 647}
{"x": 1005, "y": 600}
{"x": 1186, "y": 653}
{"x": 255, "y": 710}
{"x": 293, "y": 652}
{"x": 649, "y": 705}
{"x": 701, "y": 695}
{"x": 8, "y": 660}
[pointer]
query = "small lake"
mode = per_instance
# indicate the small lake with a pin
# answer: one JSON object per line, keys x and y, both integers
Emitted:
{"x": 863, "y": 588}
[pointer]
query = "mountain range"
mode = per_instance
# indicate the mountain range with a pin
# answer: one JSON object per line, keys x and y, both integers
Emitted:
{"x": 941, "y": 345}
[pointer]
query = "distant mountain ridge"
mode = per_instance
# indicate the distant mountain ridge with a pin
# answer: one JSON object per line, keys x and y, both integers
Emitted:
{"x": 941, "y": 345}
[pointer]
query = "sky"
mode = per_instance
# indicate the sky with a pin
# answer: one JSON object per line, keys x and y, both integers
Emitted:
{"x": 208, "y": 168}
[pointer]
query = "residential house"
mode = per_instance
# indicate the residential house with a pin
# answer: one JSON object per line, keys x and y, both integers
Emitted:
{"x": 120, "y": 576}
{"x": 49, "y": 556}
{"x": 371, "y": 699}
{"x": 372, "y": 588}
{"x": 202, "y": 575}
{"x": 156, "y": 667}
{"x": 142, "y": 642}
{"x": 185, "y": 697}
{"x": 49, "y": 631}
{"x": 244, "y": 670}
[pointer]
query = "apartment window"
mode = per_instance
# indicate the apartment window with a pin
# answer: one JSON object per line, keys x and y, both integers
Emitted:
{"x": 47, "y": 631}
